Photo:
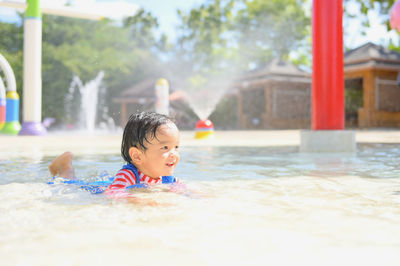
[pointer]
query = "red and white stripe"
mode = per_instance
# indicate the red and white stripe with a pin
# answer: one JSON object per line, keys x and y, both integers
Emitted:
{"x": 145, "y": 179}
{"x": 123, "y": 178}
{"x": 126, "y": 177}
{"x": 148, "y": 180}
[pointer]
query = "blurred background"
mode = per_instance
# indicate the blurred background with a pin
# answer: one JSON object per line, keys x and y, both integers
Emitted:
{"x": 210, "y": 50}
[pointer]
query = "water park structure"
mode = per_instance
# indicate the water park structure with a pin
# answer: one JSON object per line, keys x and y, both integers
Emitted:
{"x": 9, "y": 101}
{"x": 32, "y": 96}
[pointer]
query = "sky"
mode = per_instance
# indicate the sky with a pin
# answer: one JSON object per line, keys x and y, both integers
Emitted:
{"x": 165, "y": 11}
{"x": 377, "y": 33}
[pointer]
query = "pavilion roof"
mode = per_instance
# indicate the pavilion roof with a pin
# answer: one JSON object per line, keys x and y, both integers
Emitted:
{"x": 277, "y": 70}
{"x": 371, "y": 55}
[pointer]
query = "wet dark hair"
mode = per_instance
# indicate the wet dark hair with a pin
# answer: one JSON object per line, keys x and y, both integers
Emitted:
{"x": 141, "y": 128}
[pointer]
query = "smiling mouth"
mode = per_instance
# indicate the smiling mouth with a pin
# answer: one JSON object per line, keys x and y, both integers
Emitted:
{"x": 170, "y": 164}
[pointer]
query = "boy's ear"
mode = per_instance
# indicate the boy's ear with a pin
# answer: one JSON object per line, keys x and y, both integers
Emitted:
{"x": 136, "y": 155}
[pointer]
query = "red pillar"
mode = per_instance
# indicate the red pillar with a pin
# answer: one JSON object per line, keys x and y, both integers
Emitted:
{"x": 327, "y": 77}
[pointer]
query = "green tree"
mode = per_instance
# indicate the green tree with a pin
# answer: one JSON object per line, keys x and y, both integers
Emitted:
{"x": 221, "y": 34}
{"x": 382, "y": 6}
{"x": 205, "y": 34}
{"x": 84, "y": 48}
{"x": 221, "y": 39}
{"x": 271, "y": 29}
{"x": 141, "y": 29}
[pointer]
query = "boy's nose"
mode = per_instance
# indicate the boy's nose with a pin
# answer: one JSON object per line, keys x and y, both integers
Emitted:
{"x": 174, "y": 153}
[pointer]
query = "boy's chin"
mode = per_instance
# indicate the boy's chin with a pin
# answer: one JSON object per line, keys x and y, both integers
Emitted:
{"x": 168, "y": 173}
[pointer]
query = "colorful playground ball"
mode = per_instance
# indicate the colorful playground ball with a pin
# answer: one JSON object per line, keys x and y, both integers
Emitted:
{"x": 204, "y": 129}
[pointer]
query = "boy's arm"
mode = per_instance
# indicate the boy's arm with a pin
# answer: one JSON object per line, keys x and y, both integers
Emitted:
{"x": 117, "y": 190}
{"x": 123, "y": 178}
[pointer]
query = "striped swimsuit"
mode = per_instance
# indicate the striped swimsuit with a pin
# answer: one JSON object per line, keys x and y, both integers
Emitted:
{"x": 125, "y": 178}
{"x": 130, "y": 176}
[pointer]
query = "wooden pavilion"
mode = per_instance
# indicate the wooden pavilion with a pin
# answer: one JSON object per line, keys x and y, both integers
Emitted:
{"x": 374, "y": 71}
{"x": 279, "y": 94}
{"x": 275, "y": 96}
{"x": 140, "y": 96}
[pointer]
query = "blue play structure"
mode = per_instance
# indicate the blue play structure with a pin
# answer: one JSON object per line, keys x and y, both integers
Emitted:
{"x": 9, "y": 101}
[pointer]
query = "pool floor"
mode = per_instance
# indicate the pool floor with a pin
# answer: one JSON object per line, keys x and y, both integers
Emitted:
{"x": 247, "y": 205}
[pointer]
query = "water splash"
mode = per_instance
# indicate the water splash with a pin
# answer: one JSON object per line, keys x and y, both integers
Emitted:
{"x": 203, "y": 94}
{"x": 89, "y": 101}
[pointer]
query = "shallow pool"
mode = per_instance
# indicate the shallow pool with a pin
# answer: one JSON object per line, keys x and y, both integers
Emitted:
{"x": 257, "y": 206}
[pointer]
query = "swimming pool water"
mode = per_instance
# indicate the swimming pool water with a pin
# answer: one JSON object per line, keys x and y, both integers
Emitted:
{"x": 256, "y": 206}
{"x": 228, "y": 163}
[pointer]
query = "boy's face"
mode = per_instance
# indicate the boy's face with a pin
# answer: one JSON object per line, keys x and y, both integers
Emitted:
{"x": 162, "y": 154}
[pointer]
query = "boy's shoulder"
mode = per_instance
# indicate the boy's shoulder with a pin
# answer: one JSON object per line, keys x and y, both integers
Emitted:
{"x": 130, "y": 174}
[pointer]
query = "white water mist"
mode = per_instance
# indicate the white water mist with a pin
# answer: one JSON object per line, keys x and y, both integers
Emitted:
{"x": 203, "y": 96}
{"x": 89, "y": 97}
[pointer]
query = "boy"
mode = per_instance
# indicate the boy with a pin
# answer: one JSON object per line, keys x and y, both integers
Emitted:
{"x": 150, "y": 146}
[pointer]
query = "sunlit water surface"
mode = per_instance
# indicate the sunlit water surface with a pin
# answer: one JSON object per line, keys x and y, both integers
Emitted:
{"x": 259, "y": 206}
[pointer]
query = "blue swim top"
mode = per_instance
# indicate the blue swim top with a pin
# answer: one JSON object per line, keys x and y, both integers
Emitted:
{"x": 100, "y": 186}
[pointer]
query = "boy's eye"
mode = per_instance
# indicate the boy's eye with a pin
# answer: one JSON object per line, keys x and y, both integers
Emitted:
{"x": 176, "y": 147}
{"x": 164, "y": 148}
